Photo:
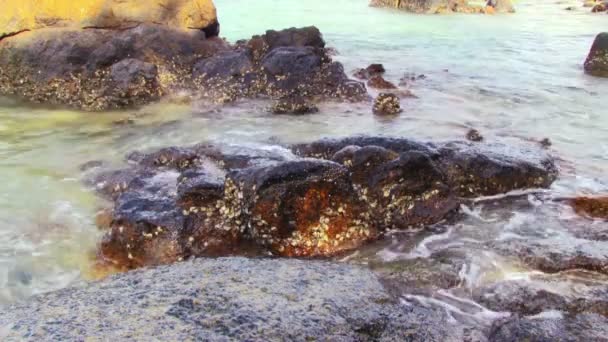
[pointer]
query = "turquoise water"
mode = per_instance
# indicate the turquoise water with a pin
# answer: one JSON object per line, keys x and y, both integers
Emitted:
{"x": 513, "y": 77}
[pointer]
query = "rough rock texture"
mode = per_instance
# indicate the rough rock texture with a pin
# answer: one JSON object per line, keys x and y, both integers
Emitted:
{"x": 329, "y": 197}
{"x": 294, "y": 105}
{"x": 387, "y": 104}
{"x": 99, "y": 69}
{"x": 378, "y": 82}
{"x": 596, "y": 63}
{"x": 19, "y": 16}
{"x": 371, "y": 71}
{"x": 593, "y": 207}
{"x": 231, "y": 299}
{"x": 528, "y": 298}
{"x": 445, "y": 6}
{"x": 551, "y": 326}
{"x": 541, "y": 254}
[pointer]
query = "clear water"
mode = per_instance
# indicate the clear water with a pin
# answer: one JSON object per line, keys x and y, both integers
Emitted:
{"x": 513, "y": 77}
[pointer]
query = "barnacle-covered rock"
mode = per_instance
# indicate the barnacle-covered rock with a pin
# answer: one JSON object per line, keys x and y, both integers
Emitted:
{"x": 301, "y": 208}
{"x": 387, "y": 104}
{"x": 596, "y": 63}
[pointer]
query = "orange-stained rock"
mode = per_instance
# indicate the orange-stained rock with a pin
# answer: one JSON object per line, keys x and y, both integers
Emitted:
{"x": 593, "y": 207}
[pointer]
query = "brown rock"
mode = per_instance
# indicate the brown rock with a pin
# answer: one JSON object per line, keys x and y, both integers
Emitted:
{"x": 379, "y": 82}
{"x": 387, "y": 104}
{"x": 593, "y": 207}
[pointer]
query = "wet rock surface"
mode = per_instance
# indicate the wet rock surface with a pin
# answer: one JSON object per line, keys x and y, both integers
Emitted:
{"x": 101, "y": 69}
{"x": 325, "y": 198}
{"x": 231, "y": 299}
{"x": 592, "y": 207}
{"x": 552, "y": 326}
{"x": 387, "y": 104}
{"x": 596, "y": 63}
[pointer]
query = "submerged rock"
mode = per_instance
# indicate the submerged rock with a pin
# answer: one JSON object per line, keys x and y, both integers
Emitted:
{"x": 378, "y": 82}
{"x": 211, "y": 200}
{"x": 474, "y": 135}
{"x": 596, "y": 63}
{"x": 294, "y": 105}
{"x": 371, "y": 71}
{"x": 593, "y": 207}
{"x": 232, "y": 299}
{"x": 387, "y": 104}
{"x": 551, "y": 326}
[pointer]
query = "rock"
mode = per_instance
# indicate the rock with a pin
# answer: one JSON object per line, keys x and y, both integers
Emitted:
{"x": 102, "y": 69}
{"x": 553, "y": 255}
{"x": 223, "y": 66}
{"x": 371, "y": 71}
{"x": 403, "y": 190}
{"x": 474, "y": 135}
{"x": 519, "y": 297}
{"x": 488, "y": 169}
{"x": 597, "y": 60}
{"x": 546, "y": 143}
{"x": 593, "y": 207}
{"x": 387, "y": 104}
{"x": 551, "y": 326}
{"x": 443, "y": 6}
{"x": 30, "y": 15}
{"x": 99, "y": 69}
{"x": 379, "y": 82}
{"x": 294, "y": 105}
{"x": 421, "y": 276}
{"x": 531, "y": 298}
{"x": 232, "y": 299}
{"x": 599, "y": 8}
{"x": 210, "y": 200}
{"x": 301, "y": 208}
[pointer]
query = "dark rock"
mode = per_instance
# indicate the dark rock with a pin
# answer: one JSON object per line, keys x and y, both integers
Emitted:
{"x": 490, "y": 169}
{"x": 89, "y": 69}
{"x": 295, "y": 37}
{"x": 211, "y": 200}
{"x": 291, "y": 60}
{"x": 101, "y": 69}
{"x": 301, "y": 208}
{"x": 597, "y": 60}
{"x": 546, "y": 143}
{"x": 387, "y": 104}
{"x": 223, "y": 66}
{"x": 371, "y": 71}
{"x": 553, "y": 255}
{"x": 402, "y": 190}
{"x": 599, "y": 8}
{"x": 592, "y": 207}
{"x": 294, "y": 105}
{"x": 378, "y": 82}
{"x": 474, "y": 135}
{"x": 530, "y": 298}
{"x": 553, "y": 326}
{"x": 327, "y": 148}
{"x": 519, "y": 297}
{"x": 232, "y": 299}
{"x": 421, "y": 275}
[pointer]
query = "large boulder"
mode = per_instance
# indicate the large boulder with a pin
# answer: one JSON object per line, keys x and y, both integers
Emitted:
{"x": 330, "y": 197}
{"x": 101, "y": 69}
{"x": 596, "y": 63}
{"x": 19, "y": 16}
{"x": 232, "y": 299}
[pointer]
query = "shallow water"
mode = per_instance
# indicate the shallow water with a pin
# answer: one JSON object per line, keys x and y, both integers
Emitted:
{"x": 513, "y": 77}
